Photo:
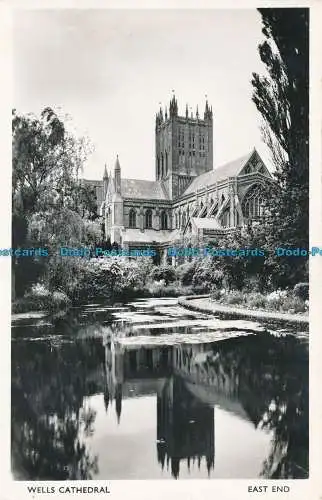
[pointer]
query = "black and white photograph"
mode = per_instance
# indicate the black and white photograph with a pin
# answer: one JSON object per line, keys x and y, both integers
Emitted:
{"x": 160, "y": 244}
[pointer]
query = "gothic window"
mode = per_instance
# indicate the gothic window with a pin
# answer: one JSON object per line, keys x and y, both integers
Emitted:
{"x": 176, "y": 221}
{"x": 164, "y": 220}
{"x": 253, "y": 202}
{"x": 148, "y": 219}
{"x": 166, "y": 163}
{"x": 183, "y": 220}
{"x": 132, "y": 218}
{"x": 158, "y": 168}
{"x": 162, "y": 166}
{"x": 225, "y": 218}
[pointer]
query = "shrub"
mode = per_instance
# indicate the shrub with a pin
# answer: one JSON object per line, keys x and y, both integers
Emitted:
{"x": 202, "y": 289}
{"x": 256, "y": 300}
{"x": 166, "y": 273}
{"x": 185, "y": 272}
{"x": 158, "y": 289}
{"x": 39, "y": 298}
{"x": 293, "y": 305}
{"x": 216, "y": 295}
{"x": 301, "y": 290}
{"x": 235, "y": 297}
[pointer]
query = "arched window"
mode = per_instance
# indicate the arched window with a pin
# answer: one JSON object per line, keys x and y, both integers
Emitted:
{"x": 253, "y": 202}
{"x": 132, "y": 218}
{"x": 166, "y": 163}
{"x": 164, "y": 220}
{"x": 183, "y": 220}
{"x": 158, "y": 167}
{"x": 148, "y": 219}
{"x": 177, "y": 221}
{"x": 162, "y": 166}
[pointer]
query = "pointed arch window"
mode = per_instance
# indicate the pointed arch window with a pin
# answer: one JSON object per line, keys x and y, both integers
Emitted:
{"x": 253, "y": 202}
{"x": 148, "y": 219}
{"x": 132, "y": 218}
{"x": 164, "y": 220}
{"x": 166, "y": 163}
{"x": 184, "y": 220}
{"x": 158, "y": 167}
{"x": 162, "y": 166}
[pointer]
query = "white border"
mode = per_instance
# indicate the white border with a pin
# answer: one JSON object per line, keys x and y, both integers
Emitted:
{"x": 156, "y": 489}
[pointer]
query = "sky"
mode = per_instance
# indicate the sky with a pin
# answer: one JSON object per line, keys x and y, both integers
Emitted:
{"x": 109, "y": 70}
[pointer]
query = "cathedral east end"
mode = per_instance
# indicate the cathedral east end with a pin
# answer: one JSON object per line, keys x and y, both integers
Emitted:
{"x": 189, "y": 197}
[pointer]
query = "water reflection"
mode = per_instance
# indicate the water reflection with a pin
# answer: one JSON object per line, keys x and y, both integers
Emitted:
{"x": 254, "y": 379}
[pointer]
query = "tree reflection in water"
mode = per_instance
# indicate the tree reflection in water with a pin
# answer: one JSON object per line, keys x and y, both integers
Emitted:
{"x": 260, "y": 374}
{"x": 48, "y": 420}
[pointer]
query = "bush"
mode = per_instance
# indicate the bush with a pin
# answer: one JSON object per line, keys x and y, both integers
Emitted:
{"x": 158, "y": 289}
{"x": 293, "y": 305}
{"x": 166, "y": 273}
{"x": 207, "y": 276}
{"x": 202, "y": 289}
{"x": 216, "y": 295}
{"x": 235, "y": 297}
{"x": 301, "y": 290}
{"x": 39, "y": 298}
{"x": 185, "y": 272}
{"x": 256, "y": 300}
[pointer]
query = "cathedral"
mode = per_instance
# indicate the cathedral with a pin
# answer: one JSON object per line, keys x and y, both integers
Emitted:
{"x": 189, "y": 197}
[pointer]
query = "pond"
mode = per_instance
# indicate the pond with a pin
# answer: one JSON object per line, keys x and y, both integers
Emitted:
{"x": 149, "y": 390}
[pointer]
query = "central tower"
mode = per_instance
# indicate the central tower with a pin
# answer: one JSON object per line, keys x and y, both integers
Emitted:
{"x": 183, "y": 147}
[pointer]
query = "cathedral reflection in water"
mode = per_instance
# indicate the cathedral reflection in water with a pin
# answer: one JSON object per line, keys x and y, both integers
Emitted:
{"x": 185, "y": 405}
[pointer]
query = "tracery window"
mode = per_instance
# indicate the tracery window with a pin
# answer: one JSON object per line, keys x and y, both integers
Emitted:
{"x": 253, "y": 203}
{"x": 132, "y": 218}
{"x": 162, "y": 166}
{"x": 164, "y": 220}
{"x": 148, "y": 219}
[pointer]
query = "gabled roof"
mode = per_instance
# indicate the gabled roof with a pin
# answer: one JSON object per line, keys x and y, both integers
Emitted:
{"x": 206, "y": 223}
{"x": 231, "y": 169}
{"x": 148, "y": 236}
{"x": 141, "y": 189}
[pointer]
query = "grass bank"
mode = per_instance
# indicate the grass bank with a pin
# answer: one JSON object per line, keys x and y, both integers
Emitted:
{"x": 206, "y": 305}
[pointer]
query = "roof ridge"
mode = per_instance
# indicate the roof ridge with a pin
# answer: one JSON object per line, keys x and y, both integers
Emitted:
{"x": 140, "y": 180}
{"x": 242, "y": 157}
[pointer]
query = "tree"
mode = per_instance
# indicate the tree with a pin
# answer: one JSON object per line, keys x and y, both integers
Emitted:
{"x": 46, "y": 162}
{"x": 282, "y": 98}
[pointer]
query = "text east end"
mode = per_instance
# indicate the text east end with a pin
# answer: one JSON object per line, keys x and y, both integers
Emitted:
{"x": 263, "y": 489}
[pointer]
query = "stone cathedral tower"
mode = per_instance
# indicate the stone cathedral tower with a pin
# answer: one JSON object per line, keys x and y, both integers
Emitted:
{"x": 183, "y": 147}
